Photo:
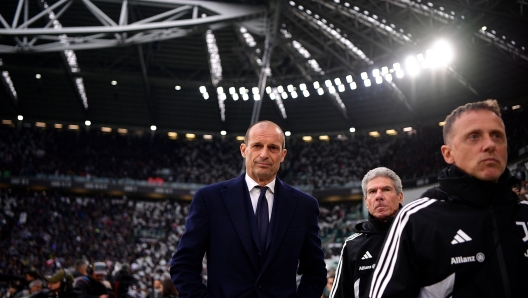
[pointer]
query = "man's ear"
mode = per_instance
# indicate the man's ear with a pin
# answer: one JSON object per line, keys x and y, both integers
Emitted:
{"x": 401, "y": 198}
{"x": 284, "y": 151}
{"x": 243, "y": 150}
{"x": 447, "y": 154}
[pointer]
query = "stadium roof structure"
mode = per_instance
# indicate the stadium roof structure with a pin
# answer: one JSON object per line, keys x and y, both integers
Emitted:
{"x": 313, "y": 66}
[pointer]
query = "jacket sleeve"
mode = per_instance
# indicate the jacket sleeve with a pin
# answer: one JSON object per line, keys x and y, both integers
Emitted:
{"x": 397, "y": 272}
{"x": 186, "y": 263}
{"x": 344, "y": 279}
{"x": 81, "y": 285}
{"x": 311, "y": 261}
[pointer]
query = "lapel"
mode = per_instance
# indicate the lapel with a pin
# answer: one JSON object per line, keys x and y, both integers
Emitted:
{"x": 238, "y": 204}
{"x": 283, "y": 206}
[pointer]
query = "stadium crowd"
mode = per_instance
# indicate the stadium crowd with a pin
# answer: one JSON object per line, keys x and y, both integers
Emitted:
{"x": 46, "y": 232}
{"x": 43, "y": 232}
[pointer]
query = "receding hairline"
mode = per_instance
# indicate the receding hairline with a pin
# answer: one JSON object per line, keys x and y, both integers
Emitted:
{"x": 490, "y": 105}
{"x": 266, "y": 123}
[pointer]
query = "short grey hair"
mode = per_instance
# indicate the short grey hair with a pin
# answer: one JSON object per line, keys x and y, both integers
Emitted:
{"x": 381, "y": 172}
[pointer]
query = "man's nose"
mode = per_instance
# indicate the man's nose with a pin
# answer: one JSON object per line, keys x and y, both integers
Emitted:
{"x": 379, "y": 194}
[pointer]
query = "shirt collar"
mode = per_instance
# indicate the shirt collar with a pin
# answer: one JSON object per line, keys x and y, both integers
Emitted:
{"x": 251, "y": 184}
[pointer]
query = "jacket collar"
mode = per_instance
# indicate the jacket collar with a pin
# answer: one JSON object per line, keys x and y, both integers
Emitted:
{"x": 374, "y": 225}
{"x": 460, "y": 186}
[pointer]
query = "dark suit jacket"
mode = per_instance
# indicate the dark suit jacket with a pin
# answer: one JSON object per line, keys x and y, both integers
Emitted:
{"x": 222, "y": 224}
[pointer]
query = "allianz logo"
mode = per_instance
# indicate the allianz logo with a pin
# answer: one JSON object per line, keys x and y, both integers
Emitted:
{"x": 460, "y": 260}
{"x": 367, "y": 267}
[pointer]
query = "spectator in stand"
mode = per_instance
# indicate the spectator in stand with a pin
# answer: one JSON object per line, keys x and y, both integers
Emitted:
{"x": 60, "y": 285}
{"x": 328, "y": 287}
{"x": 157, "y": 289}
{"x": 35, "y": 286}
{"x": 91, "y": 286}
{"x": 80, "y": 268}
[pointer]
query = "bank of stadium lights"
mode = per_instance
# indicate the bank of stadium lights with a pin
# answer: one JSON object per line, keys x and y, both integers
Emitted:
{"x": 274, "y": 95}
{"x": 177, "y": 87}
{"x": 248, "y": 37}
{"x": 223, "y": 132}
{"x": 71, "y": 58}
{"x": 329, "y": 28}
{"x": 20, "y": 117}
{"x": 87, "y": 122}
{"x": 221, "y": 104}
{"x": 287, "y": 133}
{"x": 256, "y": 93}
{"x": 203, "y": 90}
{"x": 214, "y": 57}
{"x": 208, "y": 137}
{"x": 153, "y": 128}
{"x": 38, "y": 76}
{"x": 304, "y": 90}
{"x": 10, "y": 85}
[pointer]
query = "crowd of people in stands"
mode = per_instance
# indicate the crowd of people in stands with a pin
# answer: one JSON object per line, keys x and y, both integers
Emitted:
{"x": 43, "y": 232}
{"x": 32, "y": 151}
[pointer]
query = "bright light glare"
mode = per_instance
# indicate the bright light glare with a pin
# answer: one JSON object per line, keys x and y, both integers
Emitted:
{"x": 375, "y": 73}
{"x": 441, "y": 54}
{"x": 349, "y": 79}
{"x": 353, "y": 86}
{"x": 316, "y": 85}
{"x": 367, "y": 83}
{"x": 364, "y": 75}
{"x": 413, "y": 67}
{"x": 153, "y": 127}
{"x": 388, "y": 77}
{"x": 379, "y": 80}
{"x": 320, "y": 91}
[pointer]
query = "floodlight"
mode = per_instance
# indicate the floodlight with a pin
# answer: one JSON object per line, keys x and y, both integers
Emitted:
{"x": 328, "y": 83}
{"x": 349, "y": 79}
{"x": 379, "y": 80}
{"x": 306, "y": 93}
{"x": 316, "y": 85}
{"x": 413, "y": 67}
{"x": 375, "y": 72}
{"x": 353, "y": 86}
{"x": 203, "y": 89}
{"x": 367, "y": 83}
{"x": 337, "y": 81}
{"x": 320, "y": 91}
{"x": 341, "y": 88}
{"x": 364, "y": 75}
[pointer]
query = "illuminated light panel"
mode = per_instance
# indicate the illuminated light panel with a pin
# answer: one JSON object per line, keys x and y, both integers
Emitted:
{"x": 341, "y": 88}
{"x": 328, "y": 83}
{"x": 316, "y": 85}
{"x": 87, "y": 122}
{"x": 306, "y": 93}
{"x": 73, "y": 127}
{"x": 208, "y": 137}
{"x": 240, "y": 138}
{"x": 399, "y": 73}
{"x": 103, "y": 129}
{"x": 223, "y": 132}
{"x": 38, "y": 76}
{"x": 113, "y": 83}
{"x": 353, "y": 86}
{"x": 57, "y": 125}
{"x": 375, "y": 72}
{"x": 379, "y": 80}
{"x": 7, "y": 122}
{"x": 324, "y": 138}
{"x": 374, "y": 134}
{"x": 407, "y": 129}
{"x": 320, "y": 91}
{"x": 173, "y": 135}
{"x": 177, "y": 87}
{"x": 515, "y": 107}
{"x": 38, "y": 124}
{"x": 235, "y": 96}
{"x": 278, "y": 101}
{"x": 307, "y": 138}
{"x": 9, "y": 82}
{"x": 388, "y": 77}
{"x": 153, "y": 127}
{"x": 214, "y": 57}
{"x": 302, "y": 86}
{"x": 367, "y": 83}
{"x": 441, "y": 123}
{"x": 20, "y": 117}
{"x": 337, "y": 81}
{"x": 352, "y": 129}
{"x": 190, "y": 136}
{"x": 203, "y": 89}
{"x": 287, "y": 133}
{"x": 391, "y": 132}
{"x": 294, "y": 94}
{"x": 364, "y": 75}
{"x": 413, "y": 67}
{"x": 245, "y": 97}
{"x": 349, "y": 79}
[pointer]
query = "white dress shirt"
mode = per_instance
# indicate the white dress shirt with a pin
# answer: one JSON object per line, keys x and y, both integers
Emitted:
{"x": 254, "y": 193}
